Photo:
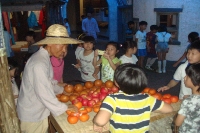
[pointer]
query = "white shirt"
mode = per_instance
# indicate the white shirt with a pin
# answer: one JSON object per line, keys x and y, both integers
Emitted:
{"x": 163, "y": 36}
{"x": 141, "y": 36}
{"x": 126, "y": 59}
{"x": 78, "y": 49}
{"x": 179, "y": 76}
{"x": 37, "y": 96}
{"x": 87, "y": 69}
{"x": 14, "y": 89}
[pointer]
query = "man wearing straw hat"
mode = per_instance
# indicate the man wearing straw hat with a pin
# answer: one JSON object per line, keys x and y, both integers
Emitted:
{"x": 37, "y": 97}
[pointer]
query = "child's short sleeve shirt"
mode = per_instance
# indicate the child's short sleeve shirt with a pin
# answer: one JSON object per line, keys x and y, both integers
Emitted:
{"x": 179, "y": 76}
{"x": 130, "y": 113}
{"x": 141, "y": 36}
{"x": 125, "y": 59}
{"x": 190, "y": 108}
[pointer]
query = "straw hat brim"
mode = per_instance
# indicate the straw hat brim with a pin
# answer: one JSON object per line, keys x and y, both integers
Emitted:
{"x": 58, "y": 40}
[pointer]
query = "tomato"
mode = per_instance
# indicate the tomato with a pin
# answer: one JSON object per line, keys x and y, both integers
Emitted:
{"x": 146, "y": 90}
{"x": 88, "y": 84}
{"x": 72, "y": 97}
{"x": 84, "y": 117}
{"x": 174, "y": 99}
{"x": 157, "y": 96}
{"x": 83, "y": 92}
{"x": 109, "y": 84}
{"x": 59, "y": 95}
{"x": 68, "y": 112}
{"x": 152, "y": 91}
{"x": 83, "y": 111}
{"x": 94, "y": 88}
{"x": 98, "y": 82}
{"x": 78, "y": 87}
{"x": 166, "y": 96}
{"x": 167, "y": 100}
{"x": 98, "y": 103}
{"x": 96, "y": 108}
{"x": 64, "y": 98}
{"x": 69, "y": 88}
{"x": 114, "y": 89}
{"x": 89, "y": 109}
{"x": 78, "y": 105}
{"x": 72, "y": 119}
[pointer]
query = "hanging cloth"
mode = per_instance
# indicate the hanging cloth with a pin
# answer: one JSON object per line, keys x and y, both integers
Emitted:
{"x": 32, "y": 20}
{"x": 42, "y": 21}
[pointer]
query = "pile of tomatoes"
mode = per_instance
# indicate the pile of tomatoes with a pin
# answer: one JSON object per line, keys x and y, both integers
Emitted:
{"x": 168, "y": 98}
{"x": 87, "y": 97}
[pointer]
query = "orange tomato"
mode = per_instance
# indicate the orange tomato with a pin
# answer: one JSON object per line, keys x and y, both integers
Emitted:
{"x": 167, "y": 100}
{"x": 146, "y": 90}
{"x": 109, "y": 84}
{"x": 152, "y": 91}
{"x": 94, "y": 88}
{"x": 84, "y": 117}
{"x": 98, "y": 103}
{"x": 96, "y": 108}
{"x": 89, "y": 109}
{"x": 72, "y": 119}
{"x": 98, "y": 82}
{"x": 83, "y": 111}
{"x": 64, "y": 98}
{"x": 68, "y": 112}
{"x": 72, "y": 97}
{"x": 166, "y": 96}
{"x": 78, "y": 87}
{"x": 78, "y": 105}
{"x": 84, "y": 92}
{"x": 88, "y": 84}
{"x": 69, "y": 88}
{"x": 59, "y": 95}
{"x": 174, "y": 99}
{"x": 157, "y": 96}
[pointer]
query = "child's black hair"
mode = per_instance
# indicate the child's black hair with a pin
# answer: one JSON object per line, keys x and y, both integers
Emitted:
{"x": 129, "y": 44}
{"x": 115, "y": 44}
{"x": 130, "y": 22}
{"x": 162, "y": 28}
{"x": 143, "y": 23}
{"x": 31, "y": 33}
{"x": 87, "y": 39}
{"x": 195, "y": 45}
{"x": 193, "y": 36}
{"x": 12, "y": 64}
{"x": 193, "y": 71}
{"x": 153, "y": 27}
{"x": 130, "y": 78}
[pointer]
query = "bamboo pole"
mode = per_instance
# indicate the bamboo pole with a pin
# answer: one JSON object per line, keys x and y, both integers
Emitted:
{"x": 9, "y": 123}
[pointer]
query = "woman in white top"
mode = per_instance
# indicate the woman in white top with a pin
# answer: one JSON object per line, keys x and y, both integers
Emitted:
{"x": 162, "y": 47}
{"x": 130, "y": 49}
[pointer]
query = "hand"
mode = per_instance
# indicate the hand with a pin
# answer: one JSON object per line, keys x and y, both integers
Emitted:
{"x": 105, "y": 55}
{"x": 164, "y": 88}
{"x": 95, "y": 76}
{"x": 72, "y": 108}
{"x": 77, "y": 66}
{"x": 96, "y": 53}
{"x": 97, "y": 128}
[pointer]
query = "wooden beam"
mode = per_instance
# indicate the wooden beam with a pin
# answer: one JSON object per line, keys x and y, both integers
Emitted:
{"x": 14, "y": 8}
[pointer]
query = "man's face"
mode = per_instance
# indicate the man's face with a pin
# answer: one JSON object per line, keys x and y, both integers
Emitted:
{"x": 89, "y": 15}
{"x": 58, "y": 50}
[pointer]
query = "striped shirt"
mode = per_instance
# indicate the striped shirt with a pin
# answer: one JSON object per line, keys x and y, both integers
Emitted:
{"x": 130, "y": 113}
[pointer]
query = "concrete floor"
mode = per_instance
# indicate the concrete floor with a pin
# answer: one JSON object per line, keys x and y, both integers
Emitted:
{"x": 155, "y": 80}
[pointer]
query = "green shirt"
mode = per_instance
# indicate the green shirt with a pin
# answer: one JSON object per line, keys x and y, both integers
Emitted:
{"x": 107, "y": 73}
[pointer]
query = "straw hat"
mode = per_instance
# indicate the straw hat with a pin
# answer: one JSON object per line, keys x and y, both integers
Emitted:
{"x": 57, "y": 34}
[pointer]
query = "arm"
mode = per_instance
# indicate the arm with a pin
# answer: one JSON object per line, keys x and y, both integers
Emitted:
{"x": 102, "y": 118}
{"x": 113, "y": 66}
{"x": 166, "y": 108}
{"x": 179, "y": 120}
{"x": 78, "y": 65}
{"x": 95, "y": 62}
{"x": 96, "y": 71}
{"x": 180, "y": 59}
{"x": 171, "y": 84}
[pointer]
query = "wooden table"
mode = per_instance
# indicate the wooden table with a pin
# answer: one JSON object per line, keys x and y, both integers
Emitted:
{"x": 159, "y": 123}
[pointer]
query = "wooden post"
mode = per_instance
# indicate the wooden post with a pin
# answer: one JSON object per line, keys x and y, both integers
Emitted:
{"x": 9, "y": 122}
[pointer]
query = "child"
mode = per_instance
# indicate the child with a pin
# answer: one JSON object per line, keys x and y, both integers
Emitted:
{"x": 193, "y": 56}
{"x": 188, "y": 116}
{"x": 13, "y": 69}
{"x": 151, "y": 51}
{"x": 141, "y": 42}
{"x": 85, "y": 59}
{"x": 129, "y": 110}
{"x": 131, "y": 49}
{"x": 108, "y": 60}
{"x": 129, "y": 31}
{"x": 193, "y": 36}
{"x": 162, "y": 47}
{"x": 30, "y": 38}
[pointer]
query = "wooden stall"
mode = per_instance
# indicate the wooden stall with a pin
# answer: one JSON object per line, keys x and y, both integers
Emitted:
{"x": 159, "y": 123}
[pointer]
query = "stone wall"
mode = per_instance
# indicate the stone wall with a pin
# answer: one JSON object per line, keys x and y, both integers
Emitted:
{"x": 188, "y": 19}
